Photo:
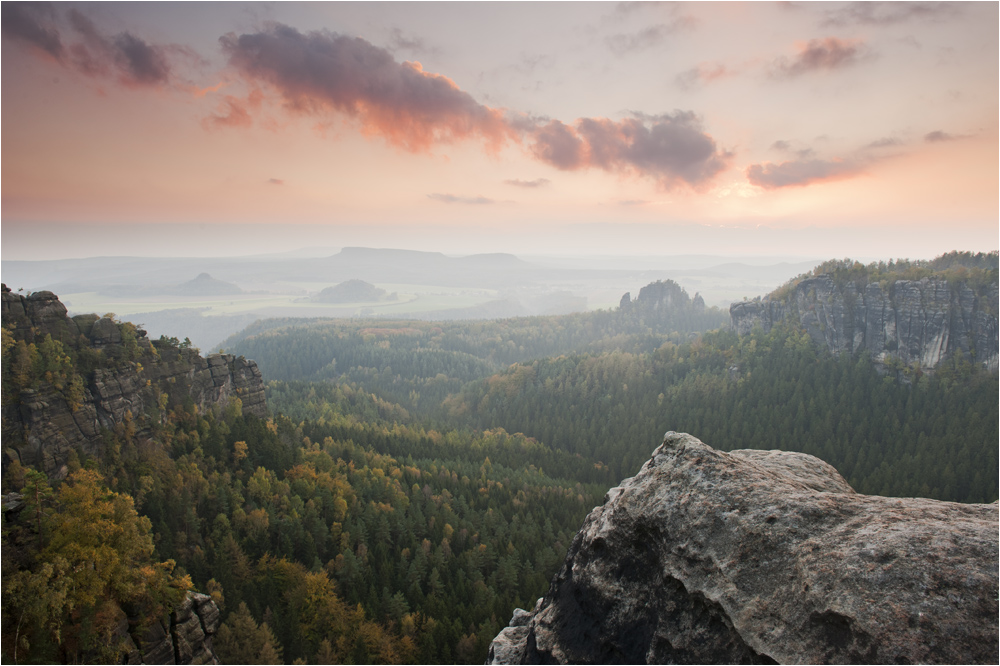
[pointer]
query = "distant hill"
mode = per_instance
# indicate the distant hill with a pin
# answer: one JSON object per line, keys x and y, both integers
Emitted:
{"x": 414, "y": 267}
{"x": 206, "y": 285}
{"x": 203, "y": 285}
{"x": 351, "y": 291}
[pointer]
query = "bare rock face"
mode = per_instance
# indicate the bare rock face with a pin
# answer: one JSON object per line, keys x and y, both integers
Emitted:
{"x": 185, "y": 639}
{"x": 765, "y": 557}
{"x": 41, "y": 426}
{"x": 918, "y": 322}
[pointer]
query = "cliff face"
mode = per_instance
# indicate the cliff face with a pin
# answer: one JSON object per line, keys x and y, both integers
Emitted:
{"x": 764, "y": 557}
{"x": 42, "y": 424}
{"x": 185, "y": 638}
{"x": 917, "y": 322}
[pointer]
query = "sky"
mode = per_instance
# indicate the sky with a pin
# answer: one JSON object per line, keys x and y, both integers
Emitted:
{"x": 820, "y": 130}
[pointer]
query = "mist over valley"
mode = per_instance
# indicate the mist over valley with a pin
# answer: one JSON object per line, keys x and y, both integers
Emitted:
{"x": 224, "y": 294}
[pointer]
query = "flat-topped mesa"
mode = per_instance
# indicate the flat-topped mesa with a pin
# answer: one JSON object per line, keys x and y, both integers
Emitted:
{"x": 44, "y": 417}
{"x": 919, "y": 322}
{"x": 765, "y": 557}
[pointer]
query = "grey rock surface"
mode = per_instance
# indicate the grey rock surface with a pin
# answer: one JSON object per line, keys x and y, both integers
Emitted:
{"x": 186, "y": 639}
{"x": 917, "y": 322}
{"x": 508, "y": 646}
{"x": 764, "y": 557}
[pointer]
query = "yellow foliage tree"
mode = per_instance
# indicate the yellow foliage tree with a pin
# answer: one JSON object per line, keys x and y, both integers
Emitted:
{"x": 94, "y": 560}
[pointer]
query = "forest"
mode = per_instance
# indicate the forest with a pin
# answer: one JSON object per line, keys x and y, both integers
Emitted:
{"x": 417, "y": 481}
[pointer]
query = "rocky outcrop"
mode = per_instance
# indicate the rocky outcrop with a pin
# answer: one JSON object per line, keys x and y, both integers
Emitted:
{"x": 184, "y": 638}
{"x": 917, "y": 322}
{"x": 42, "y": 424}
{"x": 664, "y": 306}
{"x": 764, "y": 557}
{"x": 36, "y": 315}
{"x": 662, "y": 295}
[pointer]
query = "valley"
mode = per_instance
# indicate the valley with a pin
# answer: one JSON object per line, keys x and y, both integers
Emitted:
{"x": 468, "y": 332}
{"x": 417, "y": 480}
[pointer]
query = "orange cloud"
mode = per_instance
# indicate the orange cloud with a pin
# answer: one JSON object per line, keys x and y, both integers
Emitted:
{"x": 235, "y": 112}
{"x": 319, "y": 72}
{"x": 201, "y": 92}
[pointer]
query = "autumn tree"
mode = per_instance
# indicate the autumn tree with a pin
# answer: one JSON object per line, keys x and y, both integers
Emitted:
{"x": 88, "y": 567}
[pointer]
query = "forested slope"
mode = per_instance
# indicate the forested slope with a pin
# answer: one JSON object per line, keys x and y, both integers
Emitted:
{"x": 933, "y": 436}
{"x": 346, "y": 535}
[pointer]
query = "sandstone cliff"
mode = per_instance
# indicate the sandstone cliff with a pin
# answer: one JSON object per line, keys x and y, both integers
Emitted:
{"x": 919, "y": 322}
{"x": 764, "y": 557}
{"x": 184, "y": 638}
{"x": 132, "y": 381}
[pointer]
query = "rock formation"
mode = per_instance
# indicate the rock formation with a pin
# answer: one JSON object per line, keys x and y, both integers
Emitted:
{"x": 662, "y": 295}
{"x": 183, "y": 637}
{"x": 764, "y": 557}
{"x": 664, "y": 306}
{"x": 41, "y": 425}
{"x": 917, "y": 322}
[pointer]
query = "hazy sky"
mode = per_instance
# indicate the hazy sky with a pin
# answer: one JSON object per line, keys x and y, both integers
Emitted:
{"x": 867, "y": 129}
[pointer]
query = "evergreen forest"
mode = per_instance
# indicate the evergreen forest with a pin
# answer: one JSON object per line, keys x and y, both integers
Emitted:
{"x": 415, "y": 482}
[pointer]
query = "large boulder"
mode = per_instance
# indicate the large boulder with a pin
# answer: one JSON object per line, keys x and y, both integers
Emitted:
{"x": 764, "y": 557}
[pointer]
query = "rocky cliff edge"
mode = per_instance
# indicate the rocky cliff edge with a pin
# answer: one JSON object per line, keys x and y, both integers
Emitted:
{"x": 42, "y": 424}
{"x": 919, "y": 322}
{"x": 764, "y": 557}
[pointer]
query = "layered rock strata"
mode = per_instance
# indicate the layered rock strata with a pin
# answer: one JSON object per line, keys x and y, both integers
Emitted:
{"x": 41, "y": 427}
{"x": 765, "y": 557}
{"x": 917, "y": 322}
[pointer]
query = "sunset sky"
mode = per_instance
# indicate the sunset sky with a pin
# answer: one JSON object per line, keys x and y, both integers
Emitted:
{"x": 799, "y": 129}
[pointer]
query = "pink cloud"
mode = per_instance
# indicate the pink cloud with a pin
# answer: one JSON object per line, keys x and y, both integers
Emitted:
{"x": 319, "y": 72}
{"x": 706, "y": 72}
{"x": 130, "y": 60}
{"x": 800, "y": 173}
{"x": 819, "y": 54}
{"x": 671, "y": 148}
